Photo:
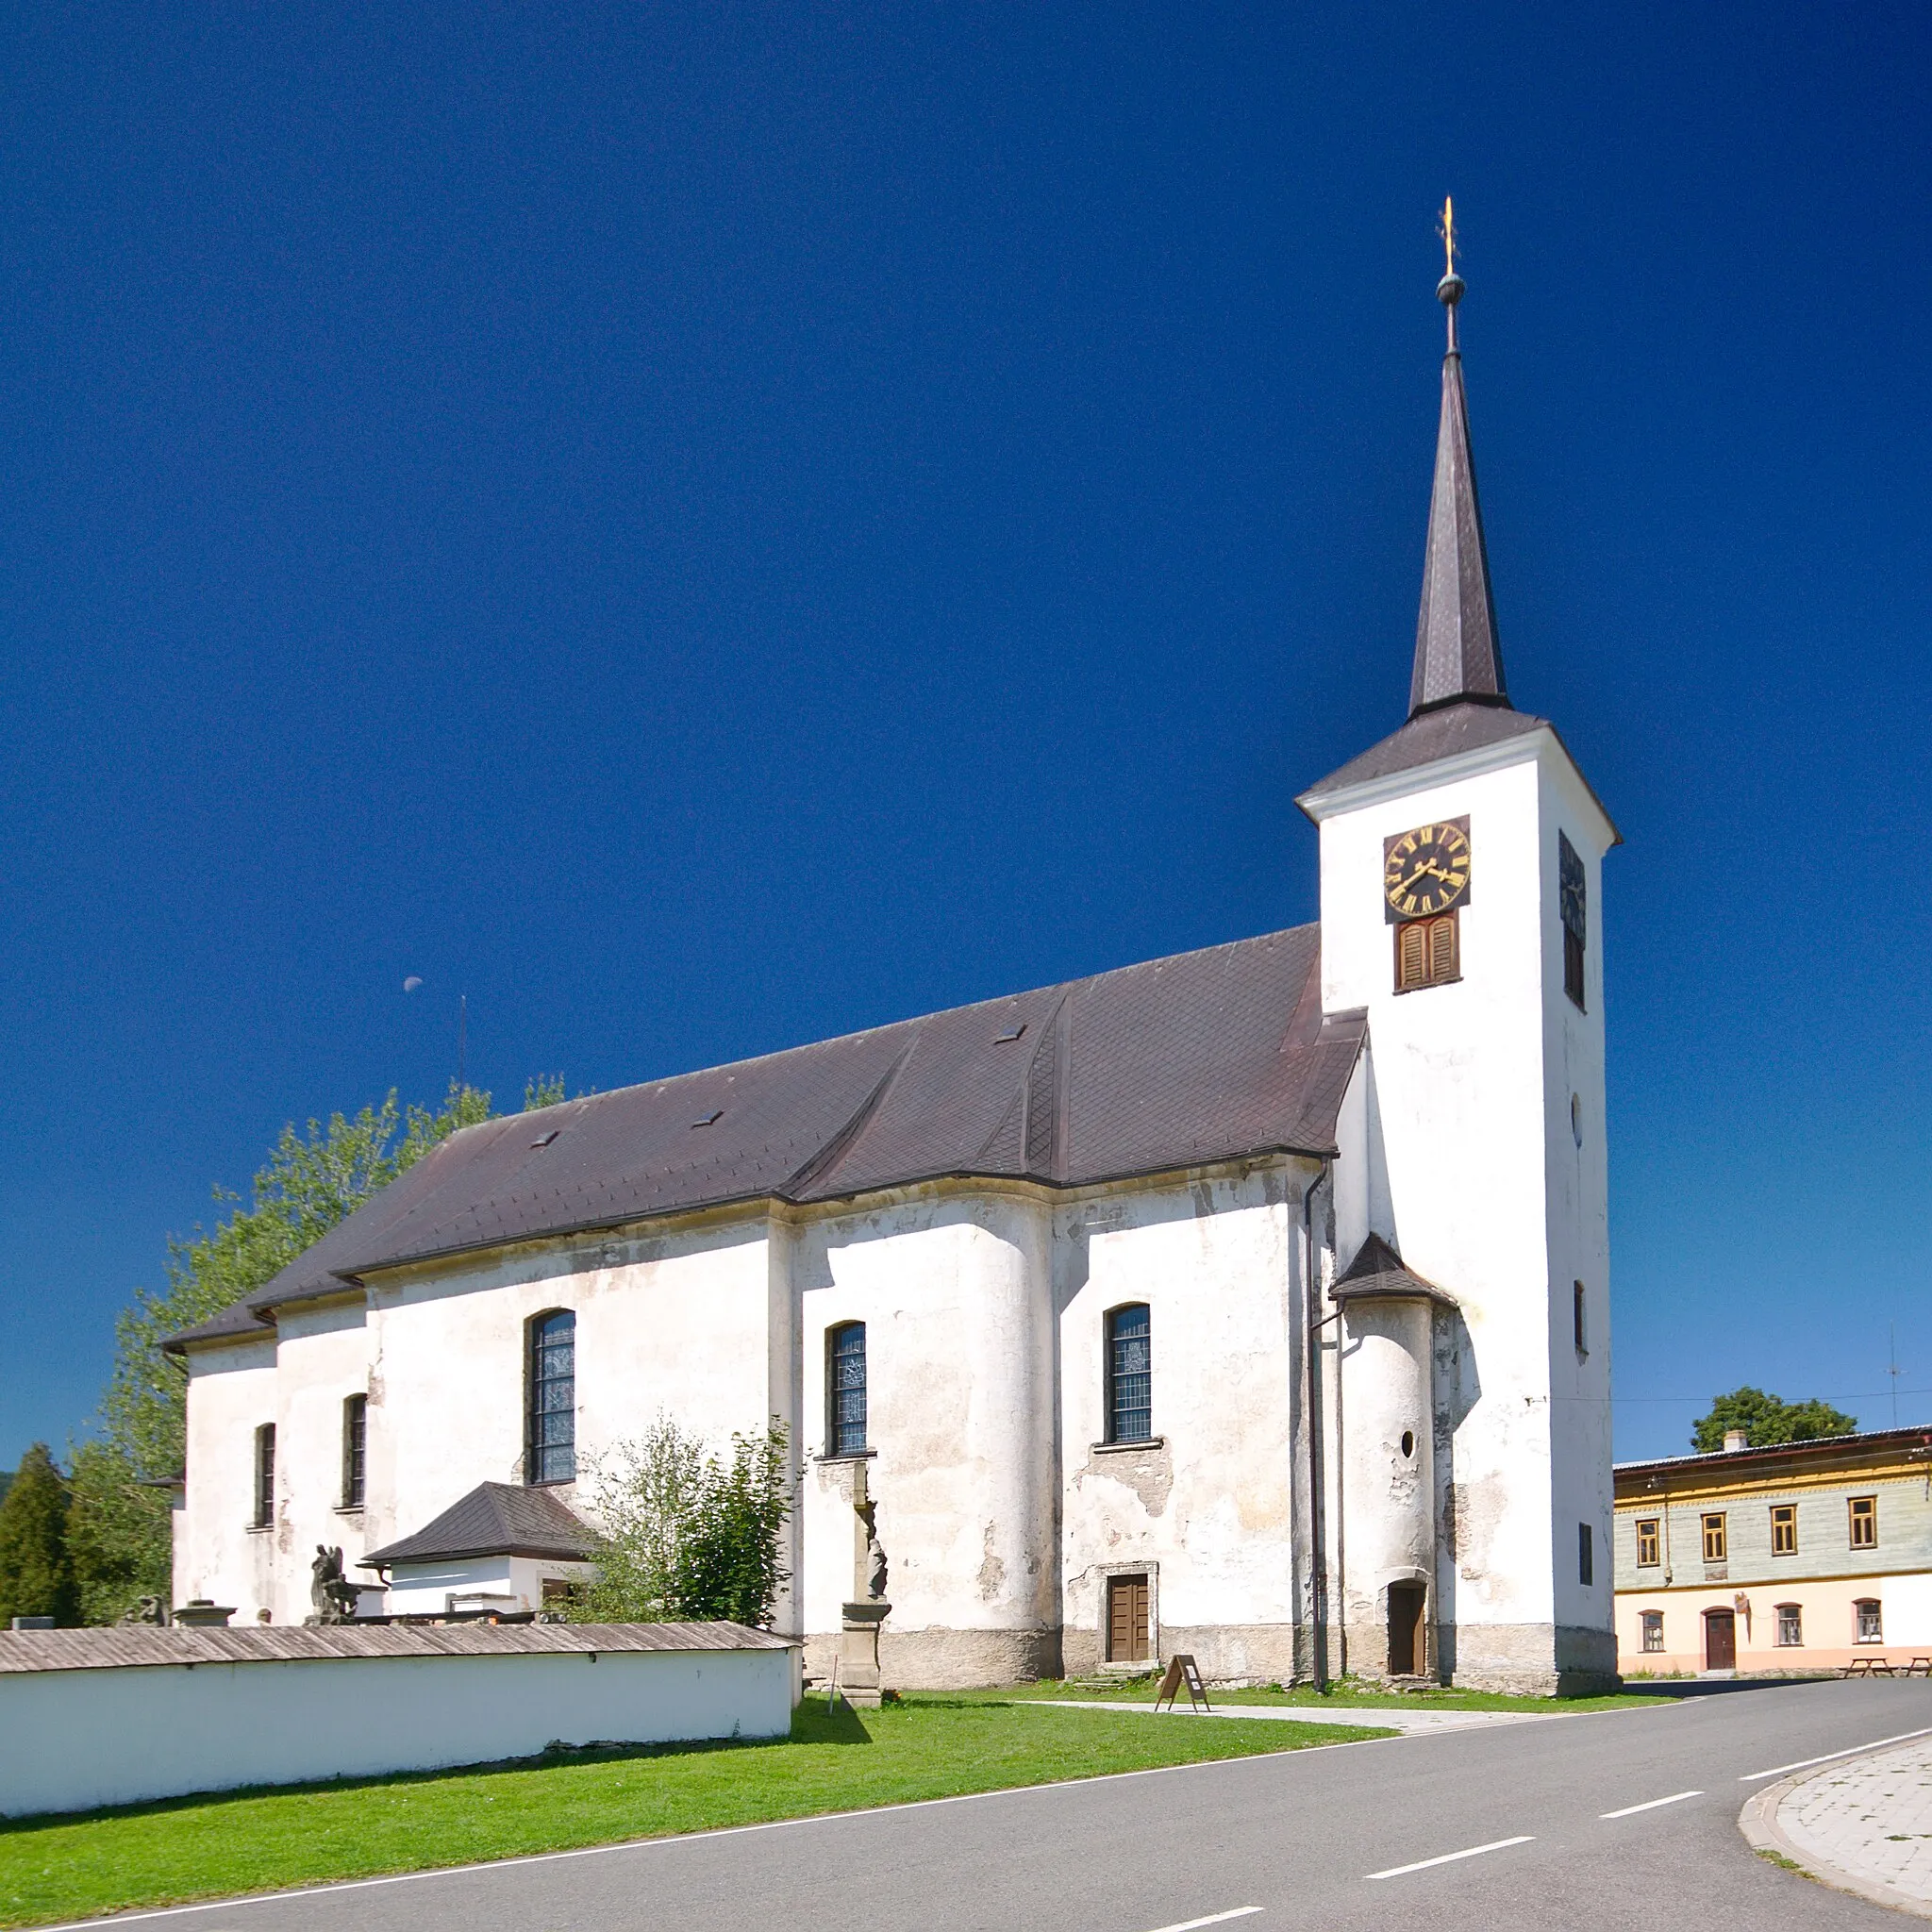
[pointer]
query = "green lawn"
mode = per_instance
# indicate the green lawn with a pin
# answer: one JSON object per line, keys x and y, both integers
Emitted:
{"x": 926, "y": 1747}
{"x": 1344, "y": 1696}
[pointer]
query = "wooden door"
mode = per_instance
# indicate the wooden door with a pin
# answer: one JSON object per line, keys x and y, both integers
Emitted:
{"x": 1126, "y": 1620}
{"x": 1720, "y": 1640}
{"x": 1408, "y": 1640}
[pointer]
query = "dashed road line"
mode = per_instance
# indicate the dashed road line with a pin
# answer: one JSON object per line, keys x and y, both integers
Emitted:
{"x": 1212, "y": 1919}
{"x": 1650, "y": 1804}
{"x": 1500, "y": 1844}
{"x": 1752, "y": 1777}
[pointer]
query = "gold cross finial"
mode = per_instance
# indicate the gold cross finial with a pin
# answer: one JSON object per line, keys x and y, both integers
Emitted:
{"x": 1446, "y": 228}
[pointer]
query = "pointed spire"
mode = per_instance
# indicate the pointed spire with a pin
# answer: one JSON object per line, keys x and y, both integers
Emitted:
{"x": 1457, "y": 656}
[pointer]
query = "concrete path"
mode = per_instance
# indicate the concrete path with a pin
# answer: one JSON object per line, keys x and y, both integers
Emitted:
{"x": 1412, "y": 1722}
{"x": 1863, "y": 1826}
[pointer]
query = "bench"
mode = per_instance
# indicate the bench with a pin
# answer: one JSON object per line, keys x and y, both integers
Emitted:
{"x": 1877, "y": 1667}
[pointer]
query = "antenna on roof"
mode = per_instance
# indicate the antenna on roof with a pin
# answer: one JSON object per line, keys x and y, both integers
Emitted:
{"x": 463, "y": 1038}
{"x": 1893, "y": 1372}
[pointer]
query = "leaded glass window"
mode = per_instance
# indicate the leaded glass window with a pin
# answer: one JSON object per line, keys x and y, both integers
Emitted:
{"x": 845, "y": 1359}
{"x": 1129, "y": 1376}
{"x": 552, "y": 1447}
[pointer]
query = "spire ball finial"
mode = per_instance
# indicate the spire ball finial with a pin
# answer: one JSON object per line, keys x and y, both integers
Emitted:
{"x": 1449, "y": 289}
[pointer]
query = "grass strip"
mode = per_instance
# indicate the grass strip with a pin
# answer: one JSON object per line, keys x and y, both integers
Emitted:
{"x": 184, "y": 1849}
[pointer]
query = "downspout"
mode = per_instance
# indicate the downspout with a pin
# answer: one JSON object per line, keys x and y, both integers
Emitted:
{"x": 1313, "y": 1324}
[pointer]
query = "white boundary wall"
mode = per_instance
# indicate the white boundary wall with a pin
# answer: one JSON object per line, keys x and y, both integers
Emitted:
{"x": 75, "y": 1738}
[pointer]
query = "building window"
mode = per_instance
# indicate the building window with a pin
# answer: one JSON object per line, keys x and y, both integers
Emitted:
{"x": 1647, "y": 1543}
{"x": 1127, "y": 1622}
{"x": 1784, "y": 1529}
{"x": 1579, "y": 1318}
{"x": 264, "y": 1475}
{"x": 354, "y": 1449}
{"x": 1790, "y": 1627}
{"x": 1573, "y": 897}
{"x": 1715, "y": 1542}
{"x": 550, "y": 1449}
{"x": 845, "y": 1382}
{"x": 1864, "y": 1516}
{"x": 1871, "y": 1625}
{"x": 1129, "y": 1376}
{"x": 1428, "y": 952}
{"x": 1652, "y": 1622}
{"x": 1586, "y": 1554}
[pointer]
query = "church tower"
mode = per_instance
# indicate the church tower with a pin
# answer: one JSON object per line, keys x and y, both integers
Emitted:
{"x": 1466, "y": 1395}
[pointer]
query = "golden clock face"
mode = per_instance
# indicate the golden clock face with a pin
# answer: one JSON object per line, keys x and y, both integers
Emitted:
{"x": 1426, "y": 871}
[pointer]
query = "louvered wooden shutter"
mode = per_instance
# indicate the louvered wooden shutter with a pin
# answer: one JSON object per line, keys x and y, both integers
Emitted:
{"x": 1443, "y": 964}
{"x": 1412, "y": 958}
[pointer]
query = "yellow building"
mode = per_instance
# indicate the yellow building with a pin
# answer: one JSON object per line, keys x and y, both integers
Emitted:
{"x": 1796, "y": 1559}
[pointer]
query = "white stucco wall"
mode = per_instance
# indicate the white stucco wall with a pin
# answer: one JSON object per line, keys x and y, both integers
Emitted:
{"x": 218, "y": 1554}
{"x": 79, "y": 1738}
{"x": 1471, "y": 1087}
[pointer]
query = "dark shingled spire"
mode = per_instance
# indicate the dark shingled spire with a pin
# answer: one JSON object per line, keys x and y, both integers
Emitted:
{"x": 1457, "y": 656}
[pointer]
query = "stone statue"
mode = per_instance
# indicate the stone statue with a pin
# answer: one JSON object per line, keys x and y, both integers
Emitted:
{"x": 874, "y": 1556}
{"x": 331, "y": 1592}
{"x": 148, "y": 1610}
{"x": 858, "y": 1674}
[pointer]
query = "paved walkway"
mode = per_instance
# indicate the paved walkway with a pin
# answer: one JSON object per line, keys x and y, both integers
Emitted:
{"x": 1864, "y": 1825}
{"x": 1411, "y": 1721}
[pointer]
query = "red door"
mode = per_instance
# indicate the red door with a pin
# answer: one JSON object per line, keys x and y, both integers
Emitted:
{"x": 1720, "y": 1640}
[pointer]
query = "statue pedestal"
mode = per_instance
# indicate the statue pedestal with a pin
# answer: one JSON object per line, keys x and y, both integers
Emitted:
{"x": 858, "y": 1654}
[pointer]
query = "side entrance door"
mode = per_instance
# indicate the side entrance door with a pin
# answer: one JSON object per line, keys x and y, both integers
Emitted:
{"x": 1126, "y": 1620}
{"x": 1720, "y": 1640}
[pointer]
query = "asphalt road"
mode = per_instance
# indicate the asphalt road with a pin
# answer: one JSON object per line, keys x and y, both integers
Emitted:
{"x": 1315, "y": 1839}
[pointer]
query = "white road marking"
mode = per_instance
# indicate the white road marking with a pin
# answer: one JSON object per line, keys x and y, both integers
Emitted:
{"x": 1449, "y": 1857}
{"x": 1631, "y": 1810}
{"x": 1752, "y": 1777}
{"x": 1212, "y": 1919}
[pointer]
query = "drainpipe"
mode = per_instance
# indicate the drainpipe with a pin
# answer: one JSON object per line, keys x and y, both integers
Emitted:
{"x": 1313, "y": 1324}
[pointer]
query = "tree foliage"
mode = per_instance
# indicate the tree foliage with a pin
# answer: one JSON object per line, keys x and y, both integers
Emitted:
{"x": 119, "y": 1527}
{"x": 684, "y": 1536}
{"x": 36, "y": 1574}
{"x": 1767, "y": 1420}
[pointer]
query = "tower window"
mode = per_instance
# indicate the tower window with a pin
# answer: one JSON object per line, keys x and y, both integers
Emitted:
{"x": 845, "y": 1382}
{"x": 1579, "y": 1318}
{"x": 1586, "y": 1554}
{"x": 264, "y": 1475}
{"x": 1573, "y": 897}
{"x": 1129, "y": 1376}
{"x": 550, "y": 1447}
{"x": 1428, "y": 952}
{"x": 354, "y": 1449}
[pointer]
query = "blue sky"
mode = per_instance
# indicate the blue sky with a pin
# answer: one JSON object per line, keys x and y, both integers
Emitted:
{"x": 703, "y": 528}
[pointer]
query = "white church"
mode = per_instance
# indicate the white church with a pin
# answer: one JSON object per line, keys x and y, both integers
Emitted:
{"x": 1252, "y": 1303}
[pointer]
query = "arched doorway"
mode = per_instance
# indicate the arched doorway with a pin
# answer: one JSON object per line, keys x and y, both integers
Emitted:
{"x": 1408, "y": 1644}
{"x": 1720, "y": 1640}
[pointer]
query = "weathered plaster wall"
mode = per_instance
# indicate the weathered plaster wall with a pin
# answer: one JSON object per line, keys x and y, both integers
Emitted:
{"x": 322, "y": 1359}
{"x": 1208, "y": 1510}
{"x": 218, "y": 1554}
{"x": 1472, "y": 1084}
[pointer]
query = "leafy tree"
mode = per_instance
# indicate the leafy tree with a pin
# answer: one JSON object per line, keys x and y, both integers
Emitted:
{"x": 542, "y": 1090}
{"x": 1767, "y": 1420}
{"x": 684, "y": 1536}
{"x": 35, "y": 1576}
{"x": 120, "y": 1530}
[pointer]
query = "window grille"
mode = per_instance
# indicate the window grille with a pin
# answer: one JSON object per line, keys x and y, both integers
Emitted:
{"x": 1864, "y": 1522}
{"x": 354, "y": 1449}
{"x": 1647, "y": 1543}
{"x": 1784, "y": 1529}
{"x": 1653, "y": 1631}
{"x": 845, "y": 1382}
{"x": 1716, "y": 1543}
{"x": 550, "y": 1449}
{"x": 264, "y": 1475}
{"x": 1129, "y": 1376}
{"x": 1790, "y": 1627}
{"x": 1870, "y": 1624}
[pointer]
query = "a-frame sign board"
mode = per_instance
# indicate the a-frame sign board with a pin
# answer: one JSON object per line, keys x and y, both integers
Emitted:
{"x": 1181, "y": 1669}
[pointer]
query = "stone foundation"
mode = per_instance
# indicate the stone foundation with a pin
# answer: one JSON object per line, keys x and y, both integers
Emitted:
{"x": 947, "y": 1660}
{"x": 1226, "y": 1652}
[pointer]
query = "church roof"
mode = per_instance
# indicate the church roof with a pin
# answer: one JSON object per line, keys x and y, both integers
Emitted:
{"x": 1457, "y": 656}
{"x": 1204, "y": 1057}
{"x": 493, "y": 1519}
{"x": 1377, "y": 1273}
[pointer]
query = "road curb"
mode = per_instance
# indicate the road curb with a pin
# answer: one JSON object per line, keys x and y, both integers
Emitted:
{"x": 1758, "y": 1822}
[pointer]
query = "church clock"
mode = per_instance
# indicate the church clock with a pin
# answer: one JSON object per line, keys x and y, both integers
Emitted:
{"x": 1425, "y": 871}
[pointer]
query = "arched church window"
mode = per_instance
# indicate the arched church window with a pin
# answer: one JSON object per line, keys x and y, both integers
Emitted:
{"x": 550, "y": 1446}
{"x": 845, "y": 1389}
{"x": 1129, "y": 1376}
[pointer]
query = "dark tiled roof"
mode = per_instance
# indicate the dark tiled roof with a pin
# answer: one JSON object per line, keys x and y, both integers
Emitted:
{"x": 1204, "y": 1057}
{"x": 1435, "y": 734}
{"x": 493, "y": 1519}
{"x": 132, "y": 1646}
{"x": 1377, "y": 1273}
